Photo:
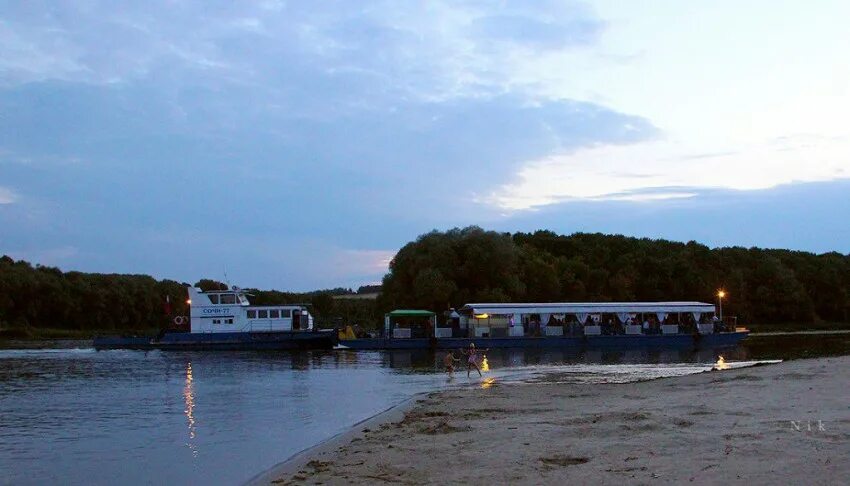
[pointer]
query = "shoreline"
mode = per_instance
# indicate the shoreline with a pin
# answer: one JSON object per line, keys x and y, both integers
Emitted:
{"x": 814, "y": 332}
{"x": 788, "y": 421}
{"x": 299, "y": 460}
{"x": 36, "y": 344}
{"x": 86, "y": 337}
{"x": 395, "y": 413}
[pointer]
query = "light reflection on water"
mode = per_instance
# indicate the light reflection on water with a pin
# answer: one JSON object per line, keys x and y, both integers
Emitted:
{"x": 76, "y": 416}
{"x": 189, "y": 397}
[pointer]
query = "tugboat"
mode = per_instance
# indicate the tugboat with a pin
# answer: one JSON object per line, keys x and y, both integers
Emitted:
{"x": 226, "y": 320}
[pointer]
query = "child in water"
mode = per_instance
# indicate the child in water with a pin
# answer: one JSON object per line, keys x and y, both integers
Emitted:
{"x": 472, "y": 359}
{"x": 449, "y": 360}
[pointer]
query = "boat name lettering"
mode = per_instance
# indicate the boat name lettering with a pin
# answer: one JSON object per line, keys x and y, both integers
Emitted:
{"x": 217, "y": 311}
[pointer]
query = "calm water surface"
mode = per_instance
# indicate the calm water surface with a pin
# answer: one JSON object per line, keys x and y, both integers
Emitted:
{"x": 78, "y": 416}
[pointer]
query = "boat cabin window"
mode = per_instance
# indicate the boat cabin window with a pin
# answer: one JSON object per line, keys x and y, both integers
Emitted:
{"x": 228, "y": 298}
{"x": 274, "y": 314}
{"x": 263, "y": 314}
{"x": 252, "y": 314}
{"x": 286, "y": 313}
{"x": 213, "y": 298}
{"x": 228, "y": 321}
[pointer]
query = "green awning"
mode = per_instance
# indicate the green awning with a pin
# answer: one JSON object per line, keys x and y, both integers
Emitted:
{"x": 410, "y": 313}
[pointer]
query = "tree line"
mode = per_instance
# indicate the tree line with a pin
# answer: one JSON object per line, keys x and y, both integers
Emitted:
{"x": 36, "y": 297}
{"x": 448, "y": 269}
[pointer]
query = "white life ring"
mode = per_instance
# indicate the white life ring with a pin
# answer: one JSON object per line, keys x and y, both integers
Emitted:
{"x": 179, "y": 320}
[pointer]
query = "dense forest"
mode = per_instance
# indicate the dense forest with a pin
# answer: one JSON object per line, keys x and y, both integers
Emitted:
{"x": 38, "y": 298}
{"x": 449, "y": 269}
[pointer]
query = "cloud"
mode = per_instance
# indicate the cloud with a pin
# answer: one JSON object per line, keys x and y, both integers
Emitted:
{"x": 421, "y": 160}
{"x": 284, "y": 184}
{"x": 434, "y": 50}
{"x": 803, "y": 216}
{"x": 647, "y": 170}
{"x": 328, "y": 130}
{"x": 7, "y": 196}
{"x": 574, "y": 27}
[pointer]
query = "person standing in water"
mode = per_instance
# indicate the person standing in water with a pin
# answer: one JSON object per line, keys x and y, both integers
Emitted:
{"x": 472, "y": 359}
{"x": 449, "y": 360}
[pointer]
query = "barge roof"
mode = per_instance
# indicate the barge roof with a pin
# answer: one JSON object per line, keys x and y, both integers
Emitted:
{"x": 586, "y": 307}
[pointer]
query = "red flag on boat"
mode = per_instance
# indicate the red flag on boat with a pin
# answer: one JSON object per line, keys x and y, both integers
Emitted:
{"x": 168, "y": 305}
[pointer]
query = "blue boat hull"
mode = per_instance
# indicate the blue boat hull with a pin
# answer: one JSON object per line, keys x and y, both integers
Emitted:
{"x": 620, "y": 341}
{"x": 223, "y": 341}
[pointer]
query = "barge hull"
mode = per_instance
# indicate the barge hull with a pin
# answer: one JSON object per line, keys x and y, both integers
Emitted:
{"x": 223, "y": 341}
{"x": 620, "y": 341}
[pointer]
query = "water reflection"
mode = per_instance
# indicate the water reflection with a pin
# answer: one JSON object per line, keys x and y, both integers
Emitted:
{"x": 189, "y": 399}
{"x": 278, "y": 403}
{"x": 753, "y": 348}
{"x": 425, "y": 361}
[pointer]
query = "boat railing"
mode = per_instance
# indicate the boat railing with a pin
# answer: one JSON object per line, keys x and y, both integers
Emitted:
{"x": 442, "y": 332}
{"x": 728, "y": 325}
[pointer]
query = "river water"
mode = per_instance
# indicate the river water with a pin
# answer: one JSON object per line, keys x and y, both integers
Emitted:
{"x": 79, "y": 416}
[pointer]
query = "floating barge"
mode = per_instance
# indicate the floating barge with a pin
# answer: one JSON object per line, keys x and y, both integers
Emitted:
{"x": 555, "y": 325}
{"x": 225, "y": 320}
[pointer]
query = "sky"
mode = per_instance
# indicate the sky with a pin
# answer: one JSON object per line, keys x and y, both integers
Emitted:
{"x": 298, "y": 145}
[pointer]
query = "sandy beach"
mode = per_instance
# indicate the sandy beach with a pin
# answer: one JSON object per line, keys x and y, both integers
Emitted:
{"x": 787, "y": 423}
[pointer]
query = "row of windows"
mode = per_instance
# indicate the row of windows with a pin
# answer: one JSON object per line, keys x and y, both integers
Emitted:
{"x": 222, "y": 298}
{"x": 222, "y": 321}
{"x": 270, "y": 314}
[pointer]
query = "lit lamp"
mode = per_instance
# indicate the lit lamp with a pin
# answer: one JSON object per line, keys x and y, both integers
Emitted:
{"x": 720, "y": 295}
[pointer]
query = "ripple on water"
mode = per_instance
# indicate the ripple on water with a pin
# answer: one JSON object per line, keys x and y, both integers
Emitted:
{"x": 182, "y": 417}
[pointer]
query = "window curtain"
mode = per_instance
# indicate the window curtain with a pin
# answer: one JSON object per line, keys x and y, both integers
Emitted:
{"x": 696, "y": 316}
{"x": 661, "y": 316}
{"x": 582, "y": 317}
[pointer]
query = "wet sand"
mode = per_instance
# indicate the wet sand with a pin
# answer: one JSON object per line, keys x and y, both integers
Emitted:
{"x": 786, "y": 423}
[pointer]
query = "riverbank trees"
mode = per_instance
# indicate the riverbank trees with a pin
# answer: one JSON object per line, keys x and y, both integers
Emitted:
{"x": 38, "y": 301}
{"x": 448, "y": 269}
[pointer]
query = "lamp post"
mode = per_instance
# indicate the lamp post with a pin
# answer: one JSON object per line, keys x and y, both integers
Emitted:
{"x": 720, "y": 295}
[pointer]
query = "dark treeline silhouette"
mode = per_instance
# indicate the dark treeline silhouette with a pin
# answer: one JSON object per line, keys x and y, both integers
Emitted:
{"x": 369, "y": 289}
{"x": 46, "y": 297}
{"x": 40, "y": 297}
{"x": 442, "y": 269}
{"x": 448, "y": 269}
